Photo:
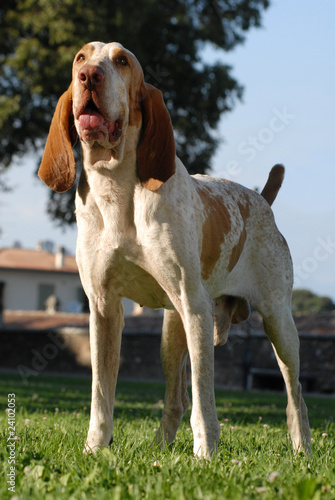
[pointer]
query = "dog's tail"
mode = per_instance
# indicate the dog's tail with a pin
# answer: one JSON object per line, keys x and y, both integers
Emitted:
{"x": 273, "y": 184}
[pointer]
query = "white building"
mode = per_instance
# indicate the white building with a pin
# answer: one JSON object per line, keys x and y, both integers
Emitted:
{"x": 29, "y": 278}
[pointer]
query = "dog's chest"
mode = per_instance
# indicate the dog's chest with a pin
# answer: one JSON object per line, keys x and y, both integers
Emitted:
{"x": 114, "y": 263}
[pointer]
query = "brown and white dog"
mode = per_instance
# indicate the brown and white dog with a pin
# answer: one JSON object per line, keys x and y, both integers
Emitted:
{"x": 200, "y": 247}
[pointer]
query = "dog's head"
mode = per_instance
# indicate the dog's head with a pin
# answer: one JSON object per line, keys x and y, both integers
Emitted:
{"x": 106, "y": 100}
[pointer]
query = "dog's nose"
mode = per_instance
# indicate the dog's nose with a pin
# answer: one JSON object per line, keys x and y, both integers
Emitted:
{"x": 91, "y": 76}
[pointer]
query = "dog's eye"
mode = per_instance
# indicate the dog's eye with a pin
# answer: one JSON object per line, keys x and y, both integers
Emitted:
{"x": 81, "y": 58}
{"x": 122, "y": 60}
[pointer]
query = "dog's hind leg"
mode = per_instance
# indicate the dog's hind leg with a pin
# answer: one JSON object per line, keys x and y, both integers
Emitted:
{"x": 174, "y": 358}
{"x": 281, "y": 330}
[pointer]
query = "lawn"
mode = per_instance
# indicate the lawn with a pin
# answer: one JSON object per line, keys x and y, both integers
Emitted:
{"x": 254, "y": 458}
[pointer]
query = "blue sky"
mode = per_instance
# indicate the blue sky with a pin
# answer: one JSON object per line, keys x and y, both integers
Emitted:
{"x": 287, "y": 116}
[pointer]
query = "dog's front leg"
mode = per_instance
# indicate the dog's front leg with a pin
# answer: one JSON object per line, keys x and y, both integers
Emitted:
{"x": 105, "y": 342}
{"x": 197, "y": 316}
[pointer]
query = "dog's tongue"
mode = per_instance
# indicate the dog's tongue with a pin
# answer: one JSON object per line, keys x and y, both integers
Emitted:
{"x": 91, "y": 120}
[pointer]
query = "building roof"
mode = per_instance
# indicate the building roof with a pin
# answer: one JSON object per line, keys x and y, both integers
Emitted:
{"x": 36, "y": 260}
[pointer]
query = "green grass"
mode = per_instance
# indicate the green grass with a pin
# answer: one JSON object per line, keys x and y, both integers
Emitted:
{"x": 254, "y": 459}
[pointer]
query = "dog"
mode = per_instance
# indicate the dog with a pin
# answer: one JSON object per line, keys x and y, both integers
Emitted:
{"x": 200, "y": 247}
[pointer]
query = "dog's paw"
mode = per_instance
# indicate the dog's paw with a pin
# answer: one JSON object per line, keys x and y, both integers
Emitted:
{"x": 203, "y": 450}
{"x": 94, "y": 443}
{"x": 205, "y": 443}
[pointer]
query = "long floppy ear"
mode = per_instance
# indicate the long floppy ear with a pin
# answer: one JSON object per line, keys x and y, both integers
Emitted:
{"x": 156, "y": 150}
{"x": 58, "y": 168}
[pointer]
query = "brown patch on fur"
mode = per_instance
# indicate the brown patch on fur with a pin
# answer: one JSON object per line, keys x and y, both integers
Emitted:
{"x": 119, "y": 52}
{"x": 58, "y": 169}
{"x": 216, "y": 226}
{"x": 87, "y": 50}
{"x": 156, "y": 151}
{"x": 134, "y": 95}
{"x": 237, "y": 250}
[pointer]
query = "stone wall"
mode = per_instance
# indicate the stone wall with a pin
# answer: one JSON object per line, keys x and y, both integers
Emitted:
{"x": 246, "y": 361}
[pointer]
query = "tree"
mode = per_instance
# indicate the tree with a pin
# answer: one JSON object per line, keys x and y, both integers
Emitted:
{"x": 39, "y": 39}
{"x": 306, "y": 302}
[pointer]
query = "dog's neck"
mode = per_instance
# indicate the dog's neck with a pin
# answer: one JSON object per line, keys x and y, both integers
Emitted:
{"x": 108, "y": 183}
{"x": 112, "y": 160}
